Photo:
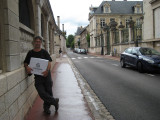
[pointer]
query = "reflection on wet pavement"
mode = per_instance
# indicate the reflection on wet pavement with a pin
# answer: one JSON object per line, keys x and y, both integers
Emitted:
{"x": 72, "y": 105}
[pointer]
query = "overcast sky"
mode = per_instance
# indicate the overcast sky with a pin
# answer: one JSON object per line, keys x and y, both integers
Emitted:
{"x": 74, "y": 13}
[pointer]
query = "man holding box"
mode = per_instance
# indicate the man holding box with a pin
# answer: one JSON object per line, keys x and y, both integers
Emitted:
{"x": 43, "y": 82}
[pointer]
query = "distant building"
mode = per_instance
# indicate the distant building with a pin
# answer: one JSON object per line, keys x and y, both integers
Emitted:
{"x": 83, "y": 38}
{"x": 109, "y": 25}
{"x": 77, "y": 37}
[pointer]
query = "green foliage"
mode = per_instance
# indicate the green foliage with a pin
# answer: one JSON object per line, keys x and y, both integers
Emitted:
{"x": 79, "y": 43}
{"x": 72, "y": 44}
{"x": 88, "y": 39}
{"x": 70, "y": 41}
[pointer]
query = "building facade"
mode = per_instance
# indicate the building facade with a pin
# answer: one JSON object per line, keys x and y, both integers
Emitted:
{"x": 151, "y": 36}
{"x": 83, "y": 38}
{"x": 77, "y": 37}
{"x": 109, "y": 26}
{"x": 20, "y": 21}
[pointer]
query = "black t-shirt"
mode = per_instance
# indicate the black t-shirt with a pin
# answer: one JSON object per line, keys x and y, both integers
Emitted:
{"x": 43, "y": 54}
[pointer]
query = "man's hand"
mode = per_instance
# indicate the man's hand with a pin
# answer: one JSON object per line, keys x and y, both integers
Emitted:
{"x": 28, "y": 69}
{"x": 45, "y": 73}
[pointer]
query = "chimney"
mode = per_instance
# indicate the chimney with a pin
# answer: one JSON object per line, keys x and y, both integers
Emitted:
{"x": 63, "y": 27}
{"x": 58, "y": 21}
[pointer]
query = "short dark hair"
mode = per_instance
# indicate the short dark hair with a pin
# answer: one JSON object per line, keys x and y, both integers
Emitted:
{"x": 37, "y": 37}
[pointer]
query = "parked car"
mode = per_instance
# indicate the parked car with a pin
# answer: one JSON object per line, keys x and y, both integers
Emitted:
{"x": 78, "y": 50}
{"x": 83, "y": 51}
{"x": 142, "y": 58}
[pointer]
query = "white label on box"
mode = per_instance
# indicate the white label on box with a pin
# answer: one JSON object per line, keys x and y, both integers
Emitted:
{"x": 38, "y": 65}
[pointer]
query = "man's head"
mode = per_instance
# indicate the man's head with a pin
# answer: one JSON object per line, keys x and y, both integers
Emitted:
{"x": 37, "y": 42}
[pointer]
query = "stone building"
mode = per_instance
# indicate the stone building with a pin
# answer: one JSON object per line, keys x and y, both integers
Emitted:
{"x": 77, "y": 37}
{"x": 151, "y": 31}
{"x": 83, "y": 38}
{"x": 59, "y": 38}
{"x": 20, "y": 21}
{"x": 109, "y": 25}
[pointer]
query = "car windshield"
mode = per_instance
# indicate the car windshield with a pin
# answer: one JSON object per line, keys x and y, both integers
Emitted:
{"x": 149, "y": 51}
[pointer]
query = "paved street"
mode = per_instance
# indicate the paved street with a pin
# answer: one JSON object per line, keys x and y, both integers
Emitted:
{"x": 126, "y": 93}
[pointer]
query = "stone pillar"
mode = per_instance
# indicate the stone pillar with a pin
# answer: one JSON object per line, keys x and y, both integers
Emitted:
{"x": 46, "y": 33}
{"x": 120, "y": 40}
{"x": 111, "y": 42}
{"x": 130, "y": 35}
{"x": 12, "y": 35}
{"x": 51, "y": 41}
{"x": 37, "y": 19}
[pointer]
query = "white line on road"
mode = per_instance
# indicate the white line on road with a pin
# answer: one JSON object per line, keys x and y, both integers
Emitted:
{"x": 85, "y": 57}
{"x": 92, "y": 57}
{"x": 79, "y": 58}
{"x": 73, "y": 58}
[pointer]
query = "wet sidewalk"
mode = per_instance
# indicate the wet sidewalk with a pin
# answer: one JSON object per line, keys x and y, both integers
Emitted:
{"x": 72, "y": 105}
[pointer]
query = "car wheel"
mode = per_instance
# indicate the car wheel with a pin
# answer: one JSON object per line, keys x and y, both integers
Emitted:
{"x": 123, "y": 65}
{"x": 140, "y": 67}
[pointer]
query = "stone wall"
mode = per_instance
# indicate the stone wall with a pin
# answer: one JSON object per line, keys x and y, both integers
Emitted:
{"x": 17, "y": 91}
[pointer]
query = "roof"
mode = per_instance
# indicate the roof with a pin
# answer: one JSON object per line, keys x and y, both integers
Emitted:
{"x": 79, "y": 29}
{"x": 119, "y": 7}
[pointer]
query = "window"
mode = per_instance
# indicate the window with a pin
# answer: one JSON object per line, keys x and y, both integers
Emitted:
{"x": 135, "y": 51}
{"x": 102, "y": 20}
{"x": 24, "y": 13}
{"x": 112, "y": 19}
{"x": 106, "y": 9}
{"x": 127, "y": 20}
{"x": 138, "y": 10}
{"x": 156, "y": 22}
{"x": 137, "y": 21}
{"x": 42, "y": 25}
{"x": 129, "y": 50}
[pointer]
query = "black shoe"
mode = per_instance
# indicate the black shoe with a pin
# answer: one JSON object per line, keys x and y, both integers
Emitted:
{"x": 47, "y": 111}
{"x": 57, "y": 104}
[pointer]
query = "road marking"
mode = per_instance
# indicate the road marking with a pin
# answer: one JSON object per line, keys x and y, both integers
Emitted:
{"x": 99, "y": 57}
{"x": 79, "y": 58}
{"x": 115, "y": 64}
{"x": 85, "y": 57}
{"x": 92, "y": 57}
{"x": 151, "y": 75}
{"x": 73, "y": 58}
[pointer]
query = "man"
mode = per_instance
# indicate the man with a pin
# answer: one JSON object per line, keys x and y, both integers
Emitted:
{"x": 60, "y": 53}
{"x": 43, "y": 83}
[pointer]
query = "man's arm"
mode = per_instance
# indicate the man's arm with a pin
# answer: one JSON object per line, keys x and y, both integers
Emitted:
{"x": 28, "y": 69}
{"x": 45, "y": 73}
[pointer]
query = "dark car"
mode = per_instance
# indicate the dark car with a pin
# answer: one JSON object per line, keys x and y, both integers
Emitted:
{"x": 142, "y": 58}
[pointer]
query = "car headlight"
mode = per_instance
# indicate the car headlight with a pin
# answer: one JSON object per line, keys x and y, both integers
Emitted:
{"x": 148, "y": 60}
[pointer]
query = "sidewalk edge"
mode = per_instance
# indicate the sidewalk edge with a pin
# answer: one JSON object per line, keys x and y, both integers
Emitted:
{"x": 98, "y": 110}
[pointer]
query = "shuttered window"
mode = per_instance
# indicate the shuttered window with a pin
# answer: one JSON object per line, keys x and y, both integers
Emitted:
{"x": 156, "y": 22}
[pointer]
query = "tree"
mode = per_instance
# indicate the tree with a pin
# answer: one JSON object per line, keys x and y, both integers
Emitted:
{"x": 72, "y": 44}
{"x": 70, "y": 40}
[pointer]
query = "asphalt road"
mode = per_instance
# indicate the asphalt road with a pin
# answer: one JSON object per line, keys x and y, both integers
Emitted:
{"x": 126, "y": 93}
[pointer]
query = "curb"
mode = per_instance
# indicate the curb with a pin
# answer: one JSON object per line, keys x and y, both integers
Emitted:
{"x": 97, "y": 108}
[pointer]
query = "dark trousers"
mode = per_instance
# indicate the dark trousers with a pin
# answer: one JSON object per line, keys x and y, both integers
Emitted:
{"x": 44, "y": 89}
